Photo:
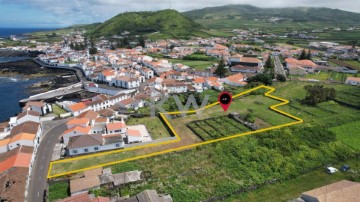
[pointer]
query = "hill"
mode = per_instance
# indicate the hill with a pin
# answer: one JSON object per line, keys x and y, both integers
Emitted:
{"x": 231, "y": 16}
{"x": 165, "y": 22}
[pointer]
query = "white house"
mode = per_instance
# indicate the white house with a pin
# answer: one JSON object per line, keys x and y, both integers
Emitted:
{"x": 82, "y": 122}
{"x": 41, "y": 107}
{"x": 28, "y": 116}
{"x": 94, "y": 143}
{"x": 107, "y": 75}
{"x": 78, "y": 108}
{"x": 75, "y": 131}
{"x": 355, "y": 81}
{"x": 235, "y": 80}
{"x": 131, "y": 103}
{"x": 125, "y": 82}
{"x": 179, "y": 87}
{"x": 116, "y": 128}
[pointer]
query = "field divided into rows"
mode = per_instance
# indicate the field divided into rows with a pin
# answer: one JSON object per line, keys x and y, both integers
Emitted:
{"x": 217, "y": 127}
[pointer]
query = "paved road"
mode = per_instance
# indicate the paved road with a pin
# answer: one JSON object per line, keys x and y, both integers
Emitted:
{"x": 279, "y": 68}
{"x": 52, "y": 132}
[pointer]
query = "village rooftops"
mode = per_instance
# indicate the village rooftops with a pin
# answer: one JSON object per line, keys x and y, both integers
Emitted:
{"x": 78, "y": 129}
{"x": 26, "y": 127}
{"x": 115, "y": 126}
{"x": 85, "y": 141}
{"x": 126, "y": 78}
{"x": 34, "y": 103}
{"x": 89, "y": 115}
{"x": 110, "y": 139}
{"x": 78, "y": 107}
{"x": 13, "y": 184}
{"x": 78, "y": 121}
{"x": 19, "y": 157}
{"x": 28, "y": 112}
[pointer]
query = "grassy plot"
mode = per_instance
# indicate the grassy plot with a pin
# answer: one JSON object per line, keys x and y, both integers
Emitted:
{"x": 154, "y": 126}
{"x": 58, "y": 110}
{"x": 58, "y": 190}
{"x": 349, "y": 133}
{"x": 196, "y": 64}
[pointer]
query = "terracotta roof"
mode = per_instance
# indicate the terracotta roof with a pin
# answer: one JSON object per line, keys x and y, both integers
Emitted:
{"x": 127, "y": 101}
{"x": 116, "y": 125}
{"x": 85, "y": 197}
{"x": 101, "y": 199}
{"x": 26, "y": 127}
{"x": 78, "y": 121}
{"x": 12, "y": 184}
{"x": 199, "y": 80}
{"x": 250, "y": 60}
{"x": 342, "y": 191}
{"x": 101, "y": 120}
{"x": 93, "y": 172}
{"x": 353, "y": 79}
{"x": 28, "y": 112}
{"x": 108, "y": 72}
{"x": 84, "y": 141}
{"x": 22, "y": 136}
{"x": 126, "y": 78}
{"x": 78, "y": 129}
{"x": 89, "y": 114}
{"x": 86, "y": 183}
{"x": 236, "y": 78}
{"x": 132, "y": 132}
{"x": 78, "y": 106}
{"x": 107, "y": 112}
{"x": 36, "y": 104}
{"x": 4, "y": 142}
{"x": 19, "y": 157}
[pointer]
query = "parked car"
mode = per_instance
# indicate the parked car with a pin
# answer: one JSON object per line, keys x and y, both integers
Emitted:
{"x": 345, "y": 168}
{"x": 331, "y": 170}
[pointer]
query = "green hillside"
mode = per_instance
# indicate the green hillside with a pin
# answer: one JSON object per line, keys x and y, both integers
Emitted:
{"x": 165, "y": 22}
{"x": 232, "y": 16}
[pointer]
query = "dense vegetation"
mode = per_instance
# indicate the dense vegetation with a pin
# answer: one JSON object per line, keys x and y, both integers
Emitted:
{"x": 168, "y": 22}
{"x": 58, "y": 191}
{"x": 297, "y": 14}
{"x": 317, "y": 93}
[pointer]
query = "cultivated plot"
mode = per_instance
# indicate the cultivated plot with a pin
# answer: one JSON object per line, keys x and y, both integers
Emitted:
{"x": 200, "y": 127}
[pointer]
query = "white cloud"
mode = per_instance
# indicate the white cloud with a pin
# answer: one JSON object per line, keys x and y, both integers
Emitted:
{"x": 87, "y": 11}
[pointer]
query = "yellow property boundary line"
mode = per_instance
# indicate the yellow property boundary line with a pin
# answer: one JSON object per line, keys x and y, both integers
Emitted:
{"x": 267, "y": 94}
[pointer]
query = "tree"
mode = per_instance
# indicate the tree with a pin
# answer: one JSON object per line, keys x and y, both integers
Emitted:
{"x": 263, "y": 78}
{"x": 141, "y": 42}
{"x": 221, "y": 70}
{"x": 269, "y": 67}
{"x": 92, "y": 49}
{"x": 308, "y": 55}
{"x": 72, "y": 46}
{"x": 302, "y": 55}
{"x": 317, "y": 94}
{"x": 281, "y": 77}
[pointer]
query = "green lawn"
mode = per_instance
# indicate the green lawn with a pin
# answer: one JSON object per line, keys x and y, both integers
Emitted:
{"x": 58, "y": 110}
{"x": 349, "y": 134}
{"x": 198, "y": 65}
{"x": 58, "y": 191}
{"x": 154, "y": 126}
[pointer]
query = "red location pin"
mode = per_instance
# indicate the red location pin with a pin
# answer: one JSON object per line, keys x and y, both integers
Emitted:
{"x": 225, "y": 100}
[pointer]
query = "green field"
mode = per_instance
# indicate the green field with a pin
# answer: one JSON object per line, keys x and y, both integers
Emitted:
{"x": 198, "y": 65}
{"x": 58, "y": 190}
{"x": 153, "y": 124}
{"x": 288, "y": 155}
{"x": 58, "y": 110}
{"x": 349, "y": 133}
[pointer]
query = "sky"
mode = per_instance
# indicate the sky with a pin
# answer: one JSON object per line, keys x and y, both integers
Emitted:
{"x": 63, "y": 13}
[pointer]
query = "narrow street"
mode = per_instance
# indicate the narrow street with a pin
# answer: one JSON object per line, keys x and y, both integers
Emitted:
{"x": 51, "y": 136}
{"x": 279, "y": 68}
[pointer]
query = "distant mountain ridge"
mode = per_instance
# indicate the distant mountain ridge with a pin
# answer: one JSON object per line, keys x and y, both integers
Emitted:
{"x": 297, "y": 14}
{"x": 167, "y": 22}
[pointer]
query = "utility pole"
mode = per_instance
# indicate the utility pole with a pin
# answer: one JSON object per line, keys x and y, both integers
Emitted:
{"x": 170, "y": 4}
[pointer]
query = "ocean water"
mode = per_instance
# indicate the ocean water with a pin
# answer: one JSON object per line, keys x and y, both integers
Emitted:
{"x": 13, "y": 59}
{"x": 11, "y": 91}
{"x": 6, "y": 32}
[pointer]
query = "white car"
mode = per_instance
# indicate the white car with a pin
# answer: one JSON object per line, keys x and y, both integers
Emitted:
{"x": 331, "y": 170}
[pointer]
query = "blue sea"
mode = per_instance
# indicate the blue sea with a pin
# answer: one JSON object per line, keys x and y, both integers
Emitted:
{"x": 6, "y": 32}
{"x": 11, "y": 91}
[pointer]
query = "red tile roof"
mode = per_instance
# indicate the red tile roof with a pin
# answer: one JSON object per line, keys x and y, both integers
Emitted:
{"x": 115, "y": 126}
